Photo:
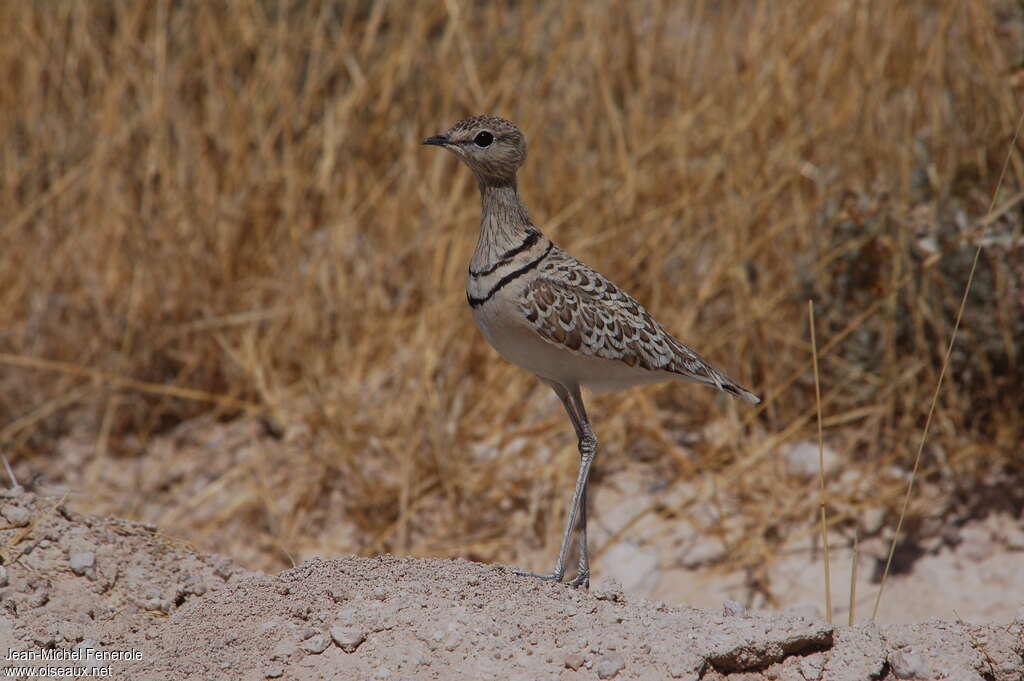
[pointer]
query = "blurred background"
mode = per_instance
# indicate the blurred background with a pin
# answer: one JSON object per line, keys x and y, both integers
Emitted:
{"x": 232, "y": 281}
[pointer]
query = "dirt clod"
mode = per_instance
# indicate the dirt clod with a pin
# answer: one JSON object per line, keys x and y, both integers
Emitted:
{"x": 908, "y": 666}
{"x": 347, "y": 638}
{"x": 15, "y": 515}
{"x": 316, "y": 644}
{"x": 82, "y": 562}
{"x": 573, "y": 661}
{"x": 609, "y": 666}
{"x": 610, "y": 590}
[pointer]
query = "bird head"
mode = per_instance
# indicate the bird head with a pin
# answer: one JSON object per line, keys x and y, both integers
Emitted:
{"x": 492, "y": 147}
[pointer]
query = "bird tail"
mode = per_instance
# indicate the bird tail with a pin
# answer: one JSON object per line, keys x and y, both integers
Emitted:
{"x": 736, "y": 390}
{"x": 690, "y": 365}
{"x": 727, "y": 385}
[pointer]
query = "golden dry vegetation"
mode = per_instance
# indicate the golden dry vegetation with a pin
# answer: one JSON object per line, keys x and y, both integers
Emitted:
{"x": 222, "y": 212}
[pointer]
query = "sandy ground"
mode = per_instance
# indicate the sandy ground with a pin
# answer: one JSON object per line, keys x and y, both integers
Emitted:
{"x": 972, "y": 570}
{"x": 967, "y": 566}
{"x": 73, "y": 585}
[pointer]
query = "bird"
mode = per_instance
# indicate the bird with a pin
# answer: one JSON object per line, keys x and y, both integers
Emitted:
{"x": 547, "y": 312}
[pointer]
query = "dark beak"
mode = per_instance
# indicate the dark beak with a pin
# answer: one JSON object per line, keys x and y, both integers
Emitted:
{"x": 437, "y": 140}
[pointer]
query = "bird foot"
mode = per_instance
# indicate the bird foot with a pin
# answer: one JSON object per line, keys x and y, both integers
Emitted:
{"x": 581, "y": 579}
{"x": 551, "y": 577}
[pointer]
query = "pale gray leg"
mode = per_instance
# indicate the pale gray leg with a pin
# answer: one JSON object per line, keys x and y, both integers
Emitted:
{"x": 573, "y": 403}
{"x": 588, "y": 448}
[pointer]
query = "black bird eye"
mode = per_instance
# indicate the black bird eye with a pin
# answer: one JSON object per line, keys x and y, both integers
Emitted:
{"x": 483, "y": 139}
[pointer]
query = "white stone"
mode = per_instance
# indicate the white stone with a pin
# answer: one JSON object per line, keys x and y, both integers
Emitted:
{"x": 803, "y": 459}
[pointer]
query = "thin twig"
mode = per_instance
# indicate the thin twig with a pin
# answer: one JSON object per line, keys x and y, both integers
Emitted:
{"x": 853, "y": 573}
{"x": 821, "y": 468}
{"x": 7, "y": 556}
{"x": 942, "y": 372}
{"x": 10, "y": 473}
{"x": 29, "y": 362}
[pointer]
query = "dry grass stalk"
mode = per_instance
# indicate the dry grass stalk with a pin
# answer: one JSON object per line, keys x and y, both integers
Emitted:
{"x": 853, "y": 575}
{"x": 822, "y": 501}
{"x": 942, "y": 373}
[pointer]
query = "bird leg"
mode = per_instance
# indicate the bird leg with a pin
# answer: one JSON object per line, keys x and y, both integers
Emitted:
{"x": 588, "y": 447}
{"x": 587, "y": 441}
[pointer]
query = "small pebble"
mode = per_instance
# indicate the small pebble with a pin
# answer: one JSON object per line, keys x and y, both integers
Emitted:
{"x": 733, "y": 608}
{"x": 347, "y": 638}
{"x": 82, "y": 561}
{"x": 16, "y": 515}
{"x": 608, "y": 591}
{"x": 379, "y": 593}
{"x": 155, "y": 605}
{"x": 224, "y": 569}
{"x": 573, "y": 661}
{"x": 195, "y": 588}
{"x": 907, "y": 665}
{"x": 610, "y": 665}
{"x": 804, "y": 460}
{"x": 39, "y": 598}
{"x": 274, "y": 671}
{"x": 315, "y": 644}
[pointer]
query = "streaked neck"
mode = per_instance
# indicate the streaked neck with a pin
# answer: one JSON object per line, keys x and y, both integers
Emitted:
{"x": 504, "y": 223}
{"x": 501, "y": 204}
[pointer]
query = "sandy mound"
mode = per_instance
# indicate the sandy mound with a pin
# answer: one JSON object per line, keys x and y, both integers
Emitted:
{"x": 71, "y": 584}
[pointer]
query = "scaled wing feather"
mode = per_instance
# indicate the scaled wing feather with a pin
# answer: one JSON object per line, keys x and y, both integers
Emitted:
{"x": 576, "y": 308}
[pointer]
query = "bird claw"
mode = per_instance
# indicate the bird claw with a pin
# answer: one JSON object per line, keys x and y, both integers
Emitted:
{"x": 581, "y": 579}
{"x": 551, "y": 577}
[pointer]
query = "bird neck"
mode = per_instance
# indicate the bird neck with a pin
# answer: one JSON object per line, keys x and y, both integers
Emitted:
{"x": 504, "y": 223}
{"x": 501, "y": 204}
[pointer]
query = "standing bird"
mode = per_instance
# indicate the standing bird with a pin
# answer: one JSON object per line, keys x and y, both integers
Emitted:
{"x": 547, "y": 312}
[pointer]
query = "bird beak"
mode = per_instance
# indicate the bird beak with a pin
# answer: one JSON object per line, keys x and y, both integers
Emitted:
{"x": 437, "y": 140}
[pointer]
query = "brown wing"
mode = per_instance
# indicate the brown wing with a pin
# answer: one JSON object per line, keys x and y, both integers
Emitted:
{"x": 574, "y": 307}
{"x": 599, "y": 320}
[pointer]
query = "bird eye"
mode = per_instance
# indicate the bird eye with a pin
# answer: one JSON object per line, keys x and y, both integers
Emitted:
{"x": 483, "y": 139}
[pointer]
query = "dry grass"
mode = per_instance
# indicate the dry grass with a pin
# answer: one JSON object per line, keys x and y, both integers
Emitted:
{"x": 211, "y": 209}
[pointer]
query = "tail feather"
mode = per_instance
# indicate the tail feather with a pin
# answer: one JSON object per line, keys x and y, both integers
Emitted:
{"x": 727, "y": 385}
{"x": 735, "y": 390}
{"x": 688, "y": 364}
